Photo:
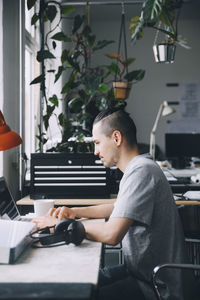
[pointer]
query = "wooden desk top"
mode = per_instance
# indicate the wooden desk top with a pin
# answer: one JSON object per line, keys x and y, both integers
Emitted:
{"x": 27, "y": 201}
{"x": 78, "y": 202}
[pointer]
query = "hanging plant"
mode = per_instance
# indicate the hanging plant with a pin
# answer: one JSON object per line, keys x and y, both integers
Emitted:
{"x": 163, "y": 16}
{"x": 123, "y": 78}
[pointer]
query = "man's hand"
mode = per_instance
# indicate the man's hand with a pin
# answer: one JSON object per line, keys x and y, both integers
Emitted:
{"x": 62, "y": 212}
{"x": 45, "y": 221}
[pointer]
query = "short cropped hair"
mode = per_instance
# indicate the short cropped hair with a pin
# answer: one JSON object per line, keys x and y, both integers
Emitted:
{"x": 118, "y": 119}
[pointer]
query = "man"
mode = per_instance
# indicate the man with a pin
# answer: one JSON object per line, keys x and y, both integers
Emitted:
{"x": 144, "y": 216}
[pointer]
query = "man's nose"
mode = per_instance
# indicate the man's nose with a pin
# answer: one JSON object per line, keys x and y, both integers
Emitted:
{"x": 96, "y": 151}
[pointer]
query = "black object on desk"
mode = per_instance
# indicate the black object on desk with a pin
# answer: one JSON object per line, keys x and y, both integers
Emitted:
{"x": 180, "y": 180}
{"x": 183, "y": 188}
{"x": 68, "y": 175}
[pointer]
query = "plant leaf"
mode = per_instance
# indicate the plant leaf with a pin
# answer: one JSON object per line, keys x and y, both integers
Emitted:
{"x": 54, "y": 100}
{"x": 136, "y": 29}
{"x": 86, "y": 30}
{"x": 64, "y": 55}
{"x": 34, "y": 19}
{"x": 113, "y": 69}
{"x": 102, "y": 88}
{"x": 102, "y": 44}
{"x": 129, "y": 61}
{"x": 51, "y": 12}
{"x": 37, "y": 79}
{"x": 67, "y": 9}
{"x": 113, "y": 56}
{"x": 167, "y": 19}
{"x": 151, "y": 9}
{"x": 58, "y": 74}
{"x": 78, "y": 21}
{"x": 44, "y": 54}
{"x": 73, "y": 63}
{"x": 31, "y": 3}
{"x": 135, "y": 75}
{"x": 91, "y": 39}
{"x": 60, "y": 36}
{"x": 61, "y": 119}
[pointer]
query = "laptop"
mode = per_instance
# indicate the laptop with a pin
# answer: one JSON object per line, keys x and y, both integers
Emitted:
{"x": 8, "y": 207}
{"x": 14, "y": 234}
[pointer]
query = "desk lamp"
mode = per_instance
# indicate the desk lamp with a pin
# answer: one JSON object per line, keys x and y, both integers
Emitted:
{"x": 164, "y": 110}
{"x": 8, "y": 138}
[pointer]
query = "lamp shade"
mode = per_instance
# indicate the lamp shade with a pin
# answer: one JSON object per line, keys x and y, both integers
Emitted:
{"x": 167, "y": 109}
{"x": 8, "y": 138}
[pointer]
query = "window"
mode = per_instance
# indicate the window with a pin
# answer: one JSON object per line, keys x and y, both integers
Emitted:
{"x": 32, "y": 92}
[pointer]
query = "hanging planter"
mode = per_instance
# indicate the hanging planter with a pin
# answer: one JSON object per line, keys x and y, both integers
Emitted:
{"x": 121, "y": 89}
{"x": 163, "y": 16}
{"x": 123, "y": 78}
{"x": 164, "y": 53}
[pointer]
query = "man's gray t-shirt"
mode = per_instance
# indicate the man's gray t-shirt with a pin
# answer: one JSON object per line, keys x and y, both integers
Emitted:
{"x": 156, "y": 235}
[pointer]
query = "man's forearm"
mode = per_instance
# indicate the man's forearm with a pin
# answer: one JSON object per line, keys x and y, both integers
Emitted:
{"x": 94, "y": 212}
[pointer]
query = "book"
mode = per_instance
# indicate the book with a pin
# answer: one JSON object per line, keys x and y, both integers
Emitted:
{"x": 14, "y": 237}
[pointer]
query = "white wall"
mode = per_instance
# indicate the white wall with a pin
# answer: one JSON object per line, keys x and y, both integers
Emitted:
{"x": 147, "y": 95}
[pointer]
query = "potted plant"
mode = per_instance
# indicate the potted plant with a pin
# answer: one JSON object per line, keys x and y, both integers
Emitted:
{"x": 163, "y": 16}
{"x": 123, "y": 79}
{"x": 85, "y": 91}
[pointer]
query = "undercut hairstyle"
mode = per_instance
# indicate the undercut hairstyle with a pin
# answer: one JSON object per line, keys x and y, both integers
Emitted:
{"x": 118, "y": 119}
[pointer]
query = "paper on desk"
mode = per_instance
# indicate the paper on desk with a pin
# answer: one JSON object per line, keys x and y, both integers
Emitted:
{"x": 192, "y": 195}
{"x": 171, "y": 178}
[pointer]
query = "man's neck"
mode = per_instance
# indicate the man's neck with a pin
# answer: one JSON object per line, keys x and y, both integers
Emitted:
{"x": 126, "y": 156}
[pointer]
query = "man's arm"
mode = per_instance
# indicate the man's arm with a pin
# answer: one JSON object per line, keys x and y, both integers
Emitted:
{"x": 111, "y": 232}
{"x": 91, "y": 212}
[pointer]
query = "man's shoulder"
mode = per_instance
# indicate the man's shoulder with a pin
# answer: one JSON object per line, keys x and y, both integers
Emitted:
{"x": 143, "y": 162}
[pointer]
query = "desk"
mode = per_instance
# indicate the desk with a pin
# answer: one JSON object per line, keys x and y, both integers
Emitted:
{"x": 177, "y": 187}
{"x": 79, "y": 202}
{"x": 71, "y": 202}
{"x": 65, "y": 272}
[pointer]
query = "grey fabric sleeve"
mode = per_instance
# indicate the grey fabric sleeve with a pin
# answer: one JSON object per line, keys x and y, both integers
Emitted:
{"x": 136, "y": 195}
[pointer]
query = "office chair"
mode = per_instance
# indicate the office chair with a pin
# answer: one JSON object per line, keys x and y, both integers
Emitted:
{"x": 193, "y": 288}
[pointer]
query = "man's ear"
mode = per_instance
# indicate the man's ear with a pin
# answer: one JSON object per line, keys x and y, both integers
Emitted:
{"x": 117, "y": 137}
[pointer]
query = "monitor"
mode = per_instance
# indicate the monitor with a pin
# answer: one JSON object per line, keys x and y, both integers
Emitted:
{"x": 182, "y": 146}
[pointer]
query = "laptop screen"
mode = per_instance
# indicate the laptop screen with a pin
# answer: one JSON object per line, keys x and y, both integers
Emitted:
{"x": 8, "y": 207}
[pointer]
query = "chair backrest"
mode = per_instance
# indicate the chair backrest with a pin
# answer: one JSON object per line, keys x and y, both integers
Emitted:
{"x": 191, "y": 285}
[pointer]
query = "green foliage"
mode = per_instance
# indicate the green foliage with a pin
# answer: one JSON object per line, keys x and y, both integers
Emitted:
{"x": 51, "y": 12}
{"x": 121, "y": 72}
{"x": 153, "y": 12}
{"x": 44, "y": 54}
{"x": 85, "y": 92}
{"x": 67, "y": 9}
{"x": 30, "y": 3}
{"x": 34, "y": 19}
{"x": 60, "y": 36}
{"x": 38, "y": 79}
{"x": 135, "y": 75}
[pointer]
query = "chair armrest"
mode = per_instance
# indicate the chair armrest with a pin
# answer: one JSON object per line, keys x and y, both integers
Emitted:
{"x": 172, "y": 266}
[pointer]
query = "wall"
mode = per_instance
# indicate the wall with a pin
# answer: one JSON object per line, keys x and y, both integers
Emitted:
{"x": 11, "y": 87}
{"x": 147, "y": 95}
